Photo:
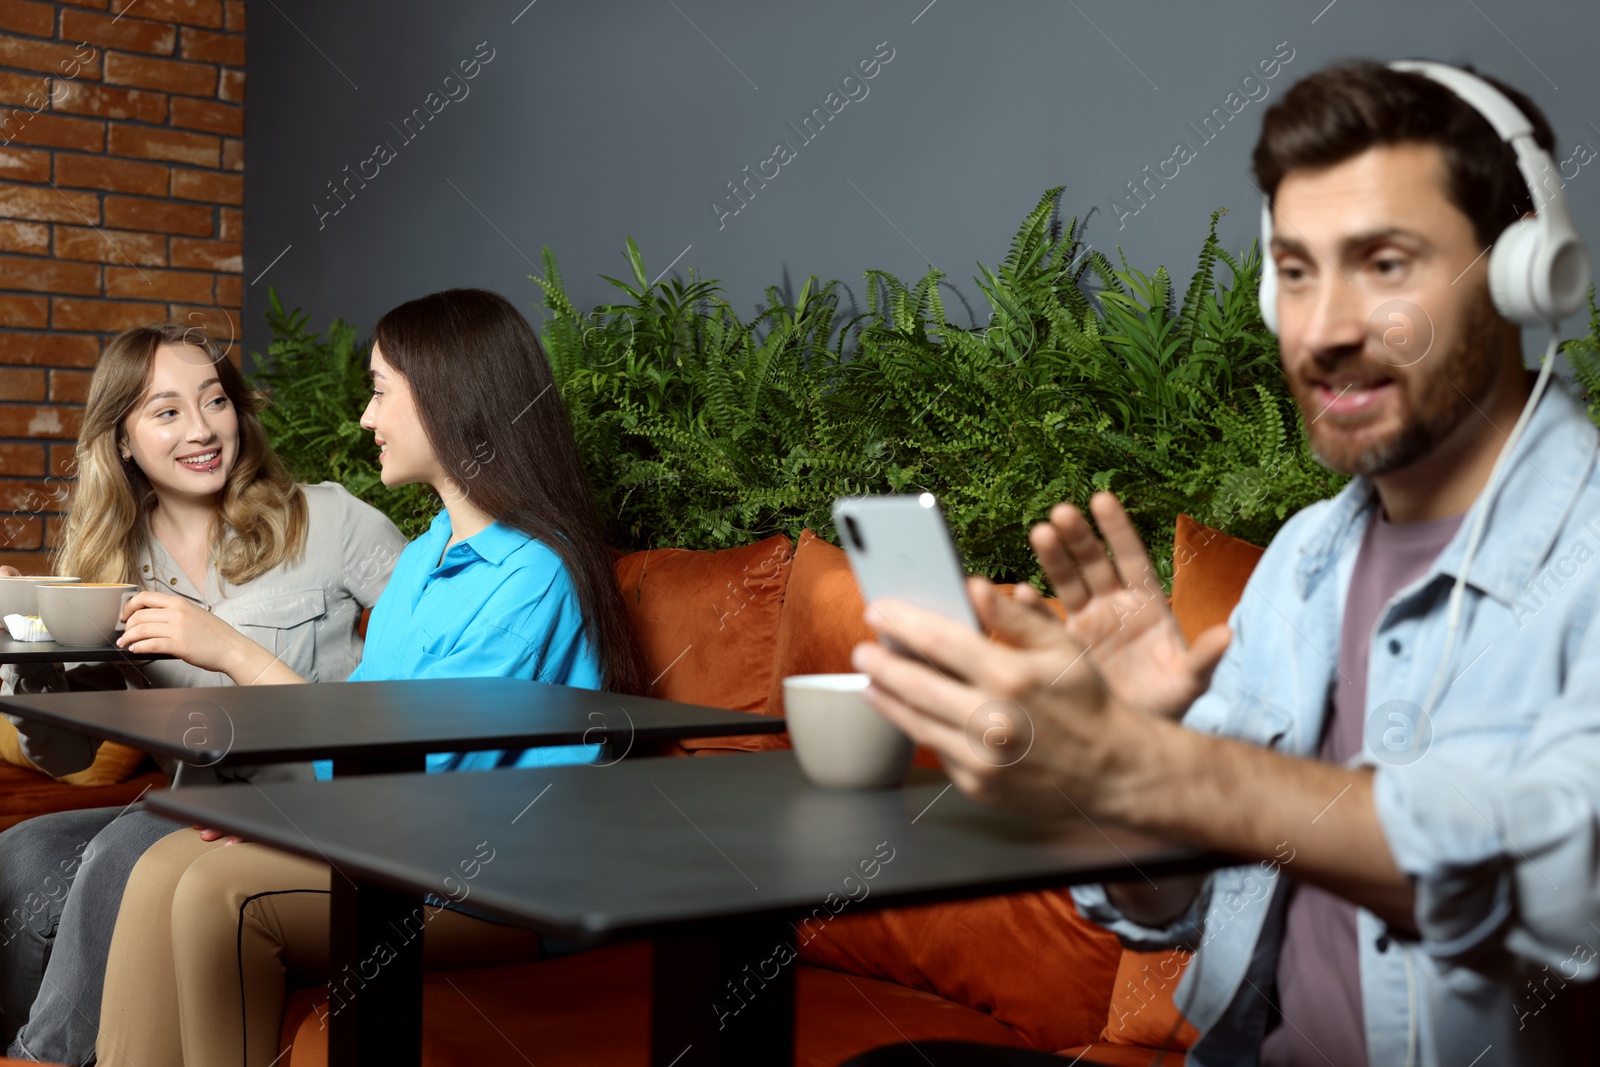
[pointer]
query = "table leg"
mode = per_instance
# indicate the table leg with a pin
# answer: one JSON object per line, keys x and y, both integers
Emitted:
{"x": 375, "y": 957}
{"x": 375, "y": 978}
{"x": 724, "y": 998}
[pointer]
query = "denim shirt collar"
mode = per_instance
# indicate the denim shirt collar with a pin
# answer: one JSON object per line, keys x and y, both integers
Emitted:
{"x": 1552, "y": 464}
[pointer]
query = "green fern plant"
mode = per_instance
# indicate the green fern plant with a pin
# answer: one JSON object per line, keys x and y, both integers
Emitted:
{"x": 698, "y": 428}
{"x": 317, "y": 387}
{"x": 1177, "y": 407}
{"x": 703, "y": 430}
{"x": 1583, "y": 355}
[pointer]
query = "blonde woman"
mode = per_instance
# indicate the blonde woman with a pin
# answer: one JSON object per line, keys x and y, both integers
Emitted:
{"x": 177, "y": 491}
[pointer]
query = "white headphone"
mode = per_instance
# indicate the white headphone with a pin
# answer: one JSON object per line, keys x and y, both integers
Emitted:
{"x": 1539, "y": 269}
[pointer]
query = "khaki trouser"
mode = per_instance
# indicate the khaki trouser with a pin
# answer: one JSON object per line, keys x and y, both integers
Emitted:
{"x": 207, "y": 935}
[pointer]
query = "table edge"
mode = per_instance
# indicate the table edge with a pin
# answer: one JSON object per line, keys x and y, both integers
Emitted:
{"x": 591, "y": 930}
{"x": 758, "y": 724}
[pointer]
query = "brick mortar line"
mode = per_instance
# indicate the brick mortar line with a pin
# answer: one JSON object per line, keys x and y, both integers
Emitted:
{"x": 135, "y": 122}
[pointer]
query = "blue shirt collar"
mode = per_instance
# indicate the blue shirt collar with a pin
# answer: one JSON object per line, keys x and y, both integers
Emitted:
{"x": 1554, "y": 460}
{"x": 492, "y": 544}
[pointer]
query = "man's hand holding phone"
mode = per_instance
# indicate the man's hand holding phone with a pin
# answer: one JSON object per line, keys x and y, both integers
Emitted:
{"x": 1088, "y": 692}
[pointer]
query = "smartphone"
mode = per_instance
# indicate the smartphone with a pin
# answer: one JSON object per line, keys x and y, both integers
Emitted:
{"x": 900, "y": 548}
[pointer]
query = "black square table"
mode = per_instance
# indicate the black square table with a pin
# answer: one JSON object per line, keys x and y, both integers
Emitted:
{"x": 14, "y": 651}
{"x": 370, "y": 727}
{"x": 716, "y": 859}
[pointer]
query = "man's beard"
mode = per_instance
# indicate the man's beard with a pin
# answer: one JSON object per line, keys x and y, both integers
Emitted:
{"x": 1433, "y": 404}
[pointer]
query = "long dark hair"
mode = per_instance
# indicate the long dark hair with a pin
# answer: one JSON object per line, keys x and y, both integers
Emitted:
{"x": 488, "y": 402}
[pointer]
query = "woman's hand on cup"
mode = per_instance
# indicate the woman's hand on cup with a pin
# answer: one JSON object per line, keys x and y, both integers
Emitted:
{"x": 163, "y": 623}
{"x": 9, "y": 572}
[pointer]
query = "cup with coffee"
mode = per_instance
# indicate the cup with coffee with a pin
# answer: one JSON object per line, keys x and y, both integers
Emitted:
{"x": 839, "y": 740}
{"x": 84, "y": 613}
{"x": 17, "y": 596}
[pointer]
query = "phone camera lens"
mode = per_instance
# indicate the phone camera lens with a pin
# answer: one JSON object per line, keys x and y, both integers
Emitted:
{"x": 854, "y": 533}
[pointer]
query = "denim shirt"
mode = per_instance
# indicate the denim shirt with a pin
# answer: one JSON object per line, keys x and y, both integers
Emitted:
{"x": 1491, "y": 805}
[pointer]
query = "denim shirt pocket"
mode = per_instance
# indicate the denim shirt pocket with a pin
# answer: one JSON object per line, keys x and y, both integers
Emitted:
{"x": 1255, "y": 718}
{"x": 1482, "y": 737}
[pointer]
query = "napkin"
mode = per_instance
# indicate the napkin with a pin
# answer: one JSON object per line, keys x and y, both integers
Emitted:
{"x": 27, "y": 628}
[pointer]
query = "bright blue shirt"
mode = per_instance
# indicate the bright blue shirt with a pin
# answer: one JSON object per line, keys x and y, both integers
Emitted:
{"x": 498, "y": 604}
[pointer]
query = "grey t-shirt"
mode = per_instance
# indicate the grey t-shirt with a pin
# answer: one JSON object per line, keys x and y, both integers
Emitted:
{"x": 305, "y": 612}
{"x": 1319, "y": 975}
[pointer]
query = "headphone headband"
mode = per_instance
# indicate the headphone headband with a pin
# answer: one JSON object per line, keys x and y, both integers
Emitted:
{"x": 1506, "y": 118}
{"x": 1539, "y": 268}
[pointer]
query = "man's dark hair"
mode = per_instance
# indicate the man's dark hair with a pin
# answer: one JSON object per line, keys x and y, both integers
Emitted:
{"x": 1341, "y": 111}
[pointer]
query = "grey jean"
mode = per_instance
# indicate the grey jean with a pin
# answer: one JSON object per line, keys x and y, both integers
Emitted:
{"x": 61, "y": 882}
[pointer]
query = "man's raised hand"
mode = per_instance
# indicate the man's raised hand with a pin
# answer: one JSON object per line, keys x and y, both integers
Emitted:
{"x": 1116, "y": 608}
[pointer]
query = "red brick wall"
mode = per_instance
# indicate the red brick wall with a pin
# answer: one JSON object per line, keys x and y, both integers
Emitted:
{"x": 121, "y": 180}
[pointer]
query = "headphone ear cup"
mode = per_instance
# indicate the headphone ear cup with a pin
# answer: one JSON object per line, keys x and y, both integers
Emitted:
{"x": 1513, "y": 273}
{"x": 1267, "y": 291}
{"x": 1536, "y": 276}
{"x": 1567, "y": 273}
{"x": 1268, "y": 294}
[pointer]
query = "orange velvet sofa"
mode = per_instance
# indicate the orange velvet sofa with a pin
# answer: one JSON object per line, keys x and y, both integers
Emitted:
{"x": 25, "y": 792}
{"x": 723, "y": 629}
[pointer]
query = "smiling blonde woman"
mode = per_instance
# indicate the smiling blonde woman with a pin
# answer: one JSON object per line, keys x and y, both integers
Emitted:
{"x": 179, "y": 491}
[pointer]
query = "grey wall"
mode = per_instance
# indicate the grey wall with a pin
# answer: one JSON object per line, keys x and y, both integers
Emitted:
{"x": 598, "y": 120}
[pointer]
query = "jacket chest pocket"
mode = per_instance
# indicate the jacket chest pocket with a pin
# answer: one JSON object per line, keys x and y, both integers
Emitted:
{"x": 1476, "y": 737}
{"x": 286, "y": 626}
{"x": 1253, "y": 717}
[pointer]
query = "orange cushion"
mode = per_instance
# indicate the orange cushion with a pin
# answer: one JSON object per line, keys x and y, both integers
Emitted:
{"x": 1142, "y": 1009}
{"x": 822, "y": 622}
{"x": 25, "y": 793}
{"x": 1028, "y": 959}
{"x": 113, "y": 763}
{"x": 1120, "y": 1056}
{"x": 1209, "y": 572}
{"x": 594, "y": 1008}
{"x": 707, "y": 623}
{"x": 823, "y": 615}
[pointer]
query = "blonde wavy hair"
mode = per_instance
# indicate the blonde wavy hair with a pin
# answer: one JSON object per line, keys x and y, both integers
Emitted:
{"x": 107, "y": 529}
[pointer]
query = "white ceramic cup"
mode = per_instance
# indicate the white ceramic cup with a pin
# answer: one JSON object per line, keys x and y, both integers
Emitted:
{"x": 17, "y": 595}
{"x": 86, "y": 613}
{"x": 840, "y": 741}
